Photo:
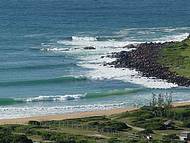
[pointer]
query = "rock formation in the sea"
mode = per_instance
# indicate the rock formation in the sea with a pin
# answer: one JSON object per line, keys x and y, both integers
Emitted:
{"x": 130, "y": 46}
{"x": 145, "y": 59}
{"x": 89, "y": 48}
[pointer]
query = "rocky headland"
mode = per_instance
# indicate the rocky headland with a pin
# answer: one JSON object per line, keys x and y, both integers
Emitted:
{"x": 145, "y": 59}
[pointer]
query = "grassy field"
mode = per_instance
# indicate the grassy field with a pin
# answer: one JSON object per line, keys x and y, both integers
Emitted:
{"x": 177, "y": 57}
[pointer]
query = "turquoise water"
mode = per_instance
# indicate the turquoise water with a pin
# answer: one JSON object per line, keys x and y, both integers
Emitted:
{"x": 44, "y": 68}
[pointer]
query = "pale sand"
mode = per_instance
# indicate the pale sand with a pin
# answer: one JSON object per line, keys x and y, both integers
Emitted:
{"x": 65, "y": 116}
{"x": 181, "y": 104}
{"x": 77, "y": 115}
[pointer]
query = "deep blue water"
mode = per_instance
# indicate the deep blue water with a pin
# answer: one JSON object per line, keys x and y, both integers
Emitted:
{"x": 42, "y": 57}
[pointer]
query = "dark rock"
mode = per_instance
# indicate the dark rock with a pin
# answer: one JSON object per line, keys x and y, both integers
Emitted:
{"x": 89, "y": 48}
{"x": 130, "y": 46}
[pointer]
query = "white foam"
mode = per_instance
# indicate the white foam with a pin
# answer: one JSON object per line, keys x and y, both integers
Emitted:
{"x": 155, "y": 34}
{"x": 55, "y": 98}
{"x": 81, "y": 42}
{"x": 55, "y": 49}
{"x": 95, "y": 43}
{"x": 80, "y": 38}
{"x": 101, "y": 72}
{"x": 9, "y": 112}
{"x": 153, "y": 29}
{"x": 101, "y": 47}
{"x": 174, "y": 38}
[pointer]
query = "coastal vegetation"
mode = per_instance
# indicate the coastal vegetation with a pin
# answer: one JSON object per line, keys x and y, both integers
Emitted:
{"x": 176, "y": 56}
{"x": 158, "y": 120}
{"x": 7, "y": 135}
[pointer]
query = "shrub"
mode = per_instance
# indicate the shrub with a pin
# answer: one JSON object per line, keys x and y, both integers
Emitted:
{"x": 34, "y": 123}
{"x": 114, "y": 140}
{"x": 172, "y": 138}
{"x": 10, "y": 138}
{"x": 21, "y": 139}
{"x": 186, "y": 123}
{"x": 147, "y": 131}
{"x": 109, "y": 125}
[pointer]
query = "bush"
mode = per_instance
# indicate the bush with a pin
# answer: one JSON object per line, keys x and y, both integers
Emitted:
{"x": 108, "y": 125}
{"x": 147, "y": 131}
{"x": 10, "y": 138}
{"x": 46, "y": 135}
{"x": 186, "y": 124}
{"x": 172, "y": 138}
{"x": 21, "y": 139}
{"x": 34, "y": 123}
{"x": 114, "y": 140}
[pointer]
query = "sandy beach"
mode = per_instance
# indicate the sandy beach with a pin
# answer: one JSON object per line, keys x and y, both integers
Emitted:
{"x": 77, "y": 115}
{"x": 181, "y": 104}
{"x": 65, "y": 116}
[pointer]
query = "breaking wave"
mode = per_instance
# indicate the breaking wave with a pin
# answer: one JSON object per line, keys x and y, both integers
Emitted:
{"x": 174, "y": 38}
{"x": 55, "y": 98}
{"x": 77, "y": 38}
{"x": 61, "y": 98}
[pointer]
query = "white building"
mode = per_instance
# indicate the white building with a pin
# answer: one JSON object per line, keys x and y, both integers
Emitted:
{"x": 185, "y": 136}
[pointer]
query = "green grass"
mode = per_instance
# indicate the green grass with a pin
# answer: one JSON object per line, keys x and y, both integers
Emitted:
{"x": 176, "y": 56}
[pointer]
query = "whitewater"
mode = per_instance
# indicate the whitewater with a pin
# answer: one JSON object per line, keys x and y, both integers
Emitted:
{"x": 96, "y": 58}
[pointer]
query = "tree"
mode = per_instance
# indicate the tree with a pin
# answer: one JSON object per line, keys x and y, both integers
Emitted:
{"x": 161, "y": 100}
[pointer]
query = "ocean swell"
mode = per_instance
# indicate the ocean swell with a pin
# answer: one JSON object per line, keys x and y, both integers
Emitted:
{"x": 37, "y": 67}
{"x": 44, "y": 81}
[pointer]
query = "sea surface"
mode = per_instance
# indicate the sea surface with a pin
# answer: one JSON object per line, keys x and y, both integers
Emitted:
{"x": 44, "y": 68}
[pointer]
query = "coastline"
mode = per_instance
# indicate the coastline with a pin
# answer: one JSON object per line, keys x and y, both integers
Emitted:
{"x": 145, "y": 58}
{"x": 76, "y": 115}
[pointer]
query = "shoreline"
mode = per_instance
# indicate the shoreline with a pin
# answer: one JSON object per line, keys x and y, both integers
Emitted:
{"x": 76, "y": 115}
{"x": 65, "y": 116}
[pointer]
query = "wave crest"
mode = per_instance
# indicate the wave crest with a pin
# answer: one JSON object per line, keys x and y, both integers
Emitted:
{"x": 55, "y": 98}
{"x": 174, "y": 38}
{"x": 80, "y": 38}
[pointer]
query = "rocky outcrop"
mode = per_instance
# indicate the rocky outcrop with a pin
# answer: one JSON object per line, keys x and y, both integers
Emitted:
{"x": 89, "y": 48}
{"x": 145, "y": 60}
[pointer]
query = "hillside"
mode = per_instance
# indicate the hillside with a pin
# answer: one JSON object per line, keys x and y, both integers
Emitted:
{"x": 176, "y": 56}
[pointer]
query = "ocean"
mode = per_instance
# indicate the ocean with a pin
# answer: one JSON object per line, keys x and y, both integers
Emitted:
{"x": 44, "y": 68}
